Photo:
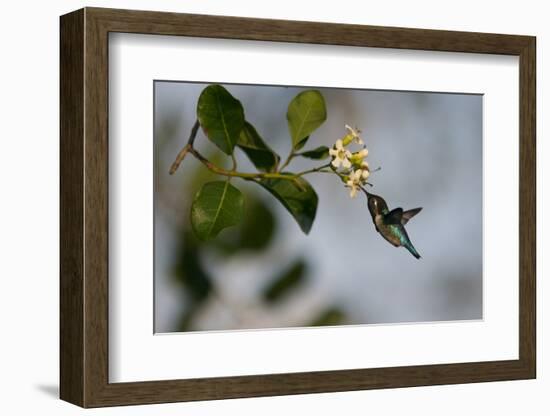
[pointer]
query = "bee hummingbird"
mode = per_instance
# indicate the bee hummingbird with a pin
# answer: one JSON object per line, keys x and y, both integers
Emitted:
{"x": 390, "y": 224}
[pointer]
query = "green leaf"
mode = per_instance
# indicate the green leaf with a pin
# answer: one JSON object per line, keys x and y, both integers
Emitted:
{"x": 306, "y": 112}
{"x": 216, "y": 206}
{"x": 297, "y": 196}
{"x": 283, "y": 284}
{"x": 259, "y": 153}
{"x": 318, "y": 153}
{"x": 221, "y": 116}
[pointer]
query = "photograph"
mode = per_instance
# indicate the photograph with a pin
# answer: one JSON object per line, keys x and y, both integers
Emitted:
{"x": 255, "y": 203}
{"x": 304, "y": 206}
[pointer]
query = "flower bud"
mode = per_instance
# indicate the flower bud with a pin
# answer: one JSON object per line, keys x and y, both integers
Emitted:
{"x": 357, "y": 157}
{"x": 346, "y": 140}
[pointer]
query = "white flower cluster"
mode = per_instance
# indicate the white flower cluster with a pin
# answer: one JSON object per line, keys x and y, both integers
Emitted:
{"x": 351, "y": 166}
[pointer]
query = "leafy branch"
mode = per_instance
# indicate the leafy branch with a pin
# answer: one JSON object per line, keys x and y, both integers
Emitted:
{"x": 190, "y": 149}
{"x": 218, "y": 205}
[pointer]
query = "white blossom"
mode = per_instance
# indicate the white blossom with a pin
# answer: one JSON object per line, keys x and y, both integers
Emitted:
{"x": 350, "y": 166}
{"x": 340, "y": 155}
{"x": 354, "y": 134}
{"x": 356, "y": 180}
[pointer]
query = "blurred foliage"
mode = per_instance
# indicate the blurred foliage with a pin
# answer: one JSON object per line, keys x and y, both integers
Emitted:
{"x": 281, "y": 285}
{"x": 254, "y": 233}
{"x": 166, "y": 129}
{"x": 221, "y": 117}
{"x": 189, "y": 272}
{"x": 188, "y": 269}
{"x": 331, "y": 316}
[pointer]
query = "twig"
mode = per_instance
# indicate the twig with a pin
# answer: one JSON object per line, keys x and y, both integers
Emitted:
{"x": 189, "y": 149}
{"x": 245, "y": 175}
{"x": 317, "y": 169}
{"x": 183, "y": 152}
{"x": 287, "y": 161}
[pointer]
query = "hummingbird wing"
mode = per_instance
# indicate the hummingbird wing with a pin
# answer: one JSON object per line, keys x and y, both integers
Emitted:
{"x": 395, "y": 216}
{"x": 407, "y": 215}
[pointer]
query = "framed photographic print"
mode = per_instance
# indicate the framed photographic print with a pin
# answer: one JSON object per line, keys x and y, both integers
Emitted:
{"x": 256, "y": 207}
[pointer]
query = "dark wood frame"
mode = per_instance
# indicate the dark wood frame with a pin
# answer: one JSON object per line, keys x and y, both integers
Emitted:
{"x": 84, "y": 208}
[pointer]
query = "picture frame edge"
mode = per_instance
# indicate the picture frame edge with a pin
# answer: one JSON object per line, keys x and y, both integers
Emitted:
{"x": 84, "y": 210}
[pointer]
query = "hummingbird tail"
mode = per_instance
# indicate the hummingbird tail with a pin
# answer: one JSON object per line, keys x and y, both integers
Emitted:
{"x": 412, "y": 250}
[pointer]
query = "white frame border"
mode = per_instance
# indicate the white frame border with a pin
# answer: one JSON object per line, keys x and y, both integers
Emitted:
{"x": 136, "y": 354}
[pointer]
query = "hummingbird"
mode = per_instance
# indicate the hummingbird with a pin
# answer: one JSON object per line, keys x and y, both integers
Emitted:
{"x": 390, "y": 224}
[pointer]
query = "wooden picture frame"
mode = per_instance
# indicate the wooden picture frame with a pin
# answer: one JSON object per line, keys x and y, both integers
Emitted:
{"x": 84, "y": 207}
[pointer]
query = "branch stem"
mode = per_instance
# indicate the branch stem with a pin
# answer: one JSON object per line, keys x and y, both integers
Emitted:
{"x": 233, "y": 173}
{"x": 317, "y": 169}
{"x": 183, "y": 152}
{"x": 287, "y": 161}
{"x": 245, "y": 175}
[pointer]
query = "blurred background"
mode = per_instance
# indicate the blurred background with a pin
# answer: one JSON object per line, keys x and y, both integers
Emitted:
{"x": 265, "y": 273}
